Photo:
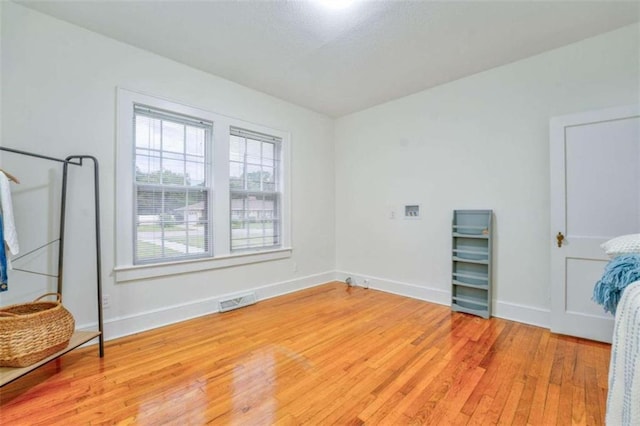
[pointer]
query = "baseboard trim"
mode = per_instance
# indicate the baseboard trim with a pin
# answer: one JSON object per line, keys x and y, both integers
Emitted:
{"x": 505, "y": 310}
{"x": 522, "y": 313}
{"x": 426, "y": 293}
{"x": 143, "y": 321}
{"x": 291, "y": 286}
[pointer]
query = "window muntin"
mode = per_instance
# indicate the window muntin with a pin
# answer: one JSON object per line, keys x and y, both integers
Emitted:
{"x": 255, "y": 194}
{"x": 172, "y": 192}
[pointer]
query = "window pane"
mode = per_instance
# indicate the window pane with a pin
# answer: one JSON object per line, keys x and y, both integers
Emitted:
{"x": 195, "y": 141}
{"x": 254, "y": 221}
{"x": 236, "y": 148}
{"x": 147, "y": 168}
{"x": 268, "y": 179}
{"x": 156, "y": 134}
{"x": 195, "y": 173}
{"x": 268, "y": 162}
{"x": 254, "y": 151}
{"x": 173, "y": 172}
{"x": 172, "y": 216}
{"x": 268, "y": 151}
{"x": 254, "y": 177}
{"x": 236, "y": 175}
{"x": 172, "y": 137}
{"x": 143, "y": 132}
{"x": 171, "y": 223}
{"x": 148, "y": 133}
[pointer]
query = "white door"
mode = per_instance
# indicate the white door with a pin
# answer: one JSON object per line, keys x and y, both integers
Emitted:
{"x": 595, "y": 196}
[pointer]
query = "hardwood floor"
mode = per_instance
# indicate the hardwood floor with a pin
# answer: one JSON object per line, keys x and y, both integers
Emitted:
{"x": 326, "y": 355}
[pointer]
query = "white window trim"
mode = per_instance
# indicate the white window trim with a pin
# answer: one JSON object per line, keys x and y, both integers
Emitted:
{"x": 140, "y": 272}
{"x": 125, "y": 270}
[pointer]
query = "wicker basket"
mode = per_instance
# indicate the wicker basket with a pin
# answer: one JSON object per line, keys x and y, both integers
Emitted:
{"x": 30, "y": 332}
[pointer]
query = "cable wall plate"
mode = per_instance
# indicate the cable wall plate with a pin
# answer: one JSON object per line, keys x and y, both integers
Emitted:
{"x": 412, "y": 211}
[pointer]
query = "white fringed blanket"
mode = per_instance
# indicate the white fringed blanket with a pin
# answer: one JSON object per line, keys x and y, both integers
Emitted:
{"x": 623, "y": 402}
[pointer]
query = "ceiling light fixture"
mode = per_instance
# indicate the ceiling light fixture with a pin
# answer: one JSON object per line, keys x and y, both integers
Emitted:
{"x": 336, "y": 4}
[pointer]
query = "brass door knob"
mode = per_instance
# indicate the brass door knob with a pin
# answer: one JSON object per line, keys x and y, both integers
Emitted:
{"x": 560, "y": 239}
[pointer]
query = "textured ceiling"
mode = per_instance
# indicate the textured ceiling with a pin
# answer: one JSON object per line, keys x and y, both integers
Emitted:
{"x": 339, "y": 62}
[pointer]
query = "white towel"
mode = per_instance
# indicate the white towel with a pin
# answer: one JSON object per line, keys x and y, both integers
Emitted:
{"x": 10, "y": 234}
{"x": 623, "y": 402}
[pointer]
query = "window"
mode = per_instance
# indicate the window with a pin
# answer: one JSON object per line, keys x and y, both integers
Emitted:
{"x": 196, "y": 190}
{"x": 171, "y": 186}
{"x": 254, "y": 190}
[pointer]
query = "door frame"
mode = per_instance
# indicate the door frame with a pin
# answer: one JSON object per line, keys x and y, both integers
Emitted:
{"x": 558, "y": 218}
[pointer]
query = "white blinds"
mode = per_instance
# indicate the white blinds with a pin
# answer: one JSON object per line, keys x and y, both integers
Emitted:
{"x": 235, "y": 131}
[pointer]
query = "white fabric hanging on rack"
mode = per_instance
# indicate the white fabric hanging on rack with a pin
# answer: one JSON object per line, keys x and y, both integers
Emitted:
{"x": 9, "y": 226}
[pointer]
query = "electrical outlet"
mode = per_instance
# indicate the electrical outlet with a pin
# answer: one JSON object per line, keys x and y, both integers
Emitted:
{"x": 106, "y": 301}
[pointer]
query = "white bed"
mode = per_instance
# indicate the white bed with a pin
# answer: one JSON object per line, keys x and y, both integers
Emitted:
{"x": 623, "y": 402}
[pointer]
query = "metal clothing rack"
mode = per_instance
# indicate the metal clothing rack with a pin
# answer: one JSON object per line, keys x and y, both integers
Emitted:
{"x": 9, "y": 374}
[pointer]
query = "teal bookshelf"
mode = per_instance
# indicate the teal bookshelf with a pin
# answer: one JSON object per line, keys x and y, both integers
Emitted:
{"x": 471, "y": 250}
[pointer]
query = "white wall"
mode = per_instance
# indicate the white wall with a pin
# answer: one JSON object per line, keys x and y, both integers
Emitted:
{"x": 59, "y": 98}
{"x": 479, "y": 142}
{"x": 0, "y": 79}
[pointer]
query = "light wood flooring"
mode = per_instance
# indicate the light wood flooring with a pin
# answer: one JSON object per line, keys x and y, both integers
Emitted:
{"x": 325, "y": 355}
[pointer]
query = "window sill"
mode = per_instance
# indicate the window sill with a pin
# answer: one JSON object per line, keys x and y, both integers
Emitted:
{"x": 141, "y": 272}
